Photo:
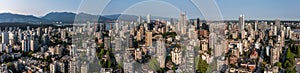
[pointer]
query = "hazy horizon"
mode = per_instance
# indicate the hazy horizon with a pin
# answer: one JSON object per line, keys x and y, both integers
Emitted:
{"x": 230, "y": 10}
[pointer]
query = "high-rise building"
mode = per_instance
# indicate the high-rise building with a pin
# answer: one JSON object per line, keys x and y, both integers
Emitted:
{"x": 45, "y": 39}
{"x": 131, "y": 41}
{"x": 192, "y": 33}
{"x": 12, "y": 38}
{"x": 242, "y": 22}
{"x": 275, "y": 54}
{"x": 256, "y": 25}
{"x": 33, "y": 45}
{"x": 63, "y": 34}
{"x": 128, "y": 62}
{"x": 84, "y": 68}
{"x": 188, "y": 64}
{"x": 138, "y": 36}
{"x": 53, "y": 68}
{"x": 148, "y": 38}
{"x": 107, "y": 43}
{"x": 5, "y": 37}
{"x": 139, "y": 20}
{"x": 26, "y": 44}
{"x": 161, "y": 52}
{"x": 148, "y": 18}
{"x": 73, "y": 66}
{"x": 182, "y": 25}
{"x": 138, "y": 54}
{"x": 171, "y": 21}
{"x": 275, "y": 30}
{"x": 277, "y": 22}
{"x": 176, "y": 56}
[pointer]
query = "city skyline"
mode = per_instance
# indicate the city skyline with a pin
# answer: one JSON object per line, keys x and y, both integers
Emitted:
{"x": 230, "y": 10}
{"x": 149, "y": 36}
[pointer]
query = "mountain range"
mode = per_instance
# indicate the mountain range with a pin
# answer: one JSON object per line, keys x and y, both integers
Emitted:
{"x": 65, "y": 17}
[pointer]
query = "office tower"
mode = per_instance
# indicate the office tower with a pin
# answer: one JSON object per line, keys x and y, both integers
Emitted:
{"x": 148, "y": 18}
{"x": 182, "y": 24}
{"x": 20, "y": 35}
{"x": 28, "y": 27}
{"x": 39, "y": 31}
{"x": 45, "y": 39}
{"x": 242, "y": 22}
{"x": 212, "y": 40}
{"x": 277, "y": 22}
{"x": 26, "y": 43}
{"x": 5, "y": 37}
{"x": 275, "y": 30}
{"x": 139, "y": 20}
{"x": 148, "y": 38}
{"x": 131, "y": 41}
{"x": 24, "y": 46}
{"x": 198, "y": 26}
{"x": 116, "y": 29}
{"x": 33, "y": 45}
{"x": 171, "y": 21}
{"x": 256, "y": 25}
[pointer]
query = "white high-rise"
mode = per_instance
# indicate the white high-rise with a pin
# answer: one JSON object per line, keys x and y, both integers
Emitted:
{"x": 5, "y": 37}
{"x": 242, "y": 22}
{"x": 256, "y": 25}
{"x": 148, "y": 18}
{"x": 182, "y": 24}
{"x": 139, "y": 20}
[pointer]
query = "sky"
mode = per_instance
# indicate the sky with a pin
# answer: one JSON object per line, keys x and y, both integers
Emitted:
{"x": 204, "y": 9}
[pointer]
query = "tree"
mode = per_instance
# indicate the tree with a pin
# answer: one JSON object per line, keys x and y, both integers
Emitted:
{"x": 290, "y": 70}
{"x": 202, "y": 66}
{"x": 109, "y": 64}
{"x": 9, "y": 65}
{"x": 278, "y": 64}
{"x": 289, "y": 55}
{"x": 298, "y": 51}
{"x": 209, "y": 51}
{"x": 30, "y": 53}
{"x": 153, "y": 64}
{"x": 107, "y": 53}
{"x": 104, "y": 64}
{"x": 101, "y": 52}
{"x": 287, "y": 64}
{"x": 100, "y": 63}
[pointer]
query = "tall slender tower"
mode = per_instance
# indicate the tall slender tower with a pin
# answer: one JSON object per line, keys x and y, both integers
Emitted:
{"x": 242, "y": 22}
{"x": 139, "y": 20}
{"x": 182, "y": 25}
{"x": 161, "y": 52}
{"x": 256, "y": 25}
{"x": 148, "y": 18}
{"x": 277, "y": 23}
